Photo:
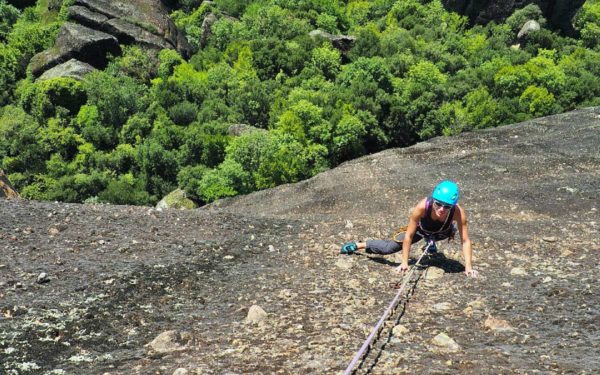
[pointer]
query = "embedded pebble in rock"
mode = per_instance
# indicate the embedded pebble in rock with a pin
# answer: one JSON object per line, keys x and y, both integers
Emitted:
{"x": 256, "y": 314}
{"x": 446, "y": 343}
{"x": 434, "y": 273}
{"x": 400, "y": 330}
{"x": 354, "y": 284}
{"x": 498, "y": 325}
{"x": 166, "y": 342}
{"x": 518, "y": 271}
{"x": 181, "y": 371}
{"x": 443, "y": 306}
{"x": 344, "y": 262}
{"x": 42, "y": 278}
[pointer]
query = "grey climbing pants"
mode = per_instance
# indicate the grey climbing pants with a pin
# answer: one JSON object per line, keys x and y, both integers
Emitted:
{"x": 386, "y": 247}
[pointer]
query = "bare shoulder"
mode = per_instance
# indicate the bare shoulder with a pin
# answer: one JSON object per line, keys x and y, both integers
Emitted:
{"x": 422, "y": 204}
{"x": 420, "y": 208}
{"x": 459, "y": 213}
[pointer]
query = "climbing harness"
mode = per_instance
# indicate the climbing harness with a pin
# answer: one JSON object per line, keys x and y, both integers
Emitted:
{"x": 378, "y": 327}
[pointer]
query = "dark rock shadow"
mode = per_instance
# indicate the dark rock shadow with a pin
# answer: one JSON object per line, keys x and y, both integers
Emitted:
{"x": 438, "y": 260}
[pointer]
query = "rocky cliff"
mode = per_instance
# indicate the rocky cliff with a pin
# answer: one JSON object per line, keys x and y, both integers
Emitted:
{"x": 97, "y": 28}
{"x": 256, "y": 284}
{"x": 6, "y": 189}
{"x": 559, "y": 13}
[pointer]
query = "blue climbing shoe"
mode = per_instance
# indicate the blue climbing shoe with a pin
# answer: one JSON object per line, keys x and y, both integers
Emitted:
{"x": 349, "y": 248}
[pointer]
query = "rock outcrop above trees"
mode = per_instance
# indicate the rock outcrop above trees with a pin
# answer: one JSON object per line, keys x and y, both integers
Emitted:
{"x": 559, "y": 13}
{"x": 529, "y": 27}
{"x": 256, "y": 284}
{"x": 96, "y": 28}
{"x": 6, "y": 189}
{"x": 77, "y": 42}
{"x": 342, "y": 42}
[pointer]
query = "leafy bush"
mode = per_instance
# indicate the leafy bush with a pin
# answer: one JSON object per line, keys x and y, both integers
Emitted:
{"x": 126, "y": 189}
{"x": 183, "y": 113}
{"x": 588, "y": 22}
{"x": 8, "y": 17}
{"x": 228, "y": 180}
{"x": 189, "y": 178}
{"x": 42, "y": 98}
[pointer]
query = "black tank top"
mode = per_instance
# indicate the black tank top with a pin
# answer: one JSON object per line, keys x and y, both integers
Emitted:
{"x": 429, "y": 226}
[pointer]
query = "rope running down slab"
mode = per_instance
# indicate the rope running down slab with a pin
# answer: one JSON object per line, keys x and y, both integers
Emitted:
{"x": 384, "y": 317}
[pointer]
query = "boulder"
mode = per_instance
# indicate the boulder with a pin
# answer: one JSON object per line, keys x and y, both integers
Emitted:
{"x": 176, "y": 199}
{"x": 528, "y": 28}
{"x": 6, "y": 189}
{"x": 342, "y": 42}
{"x": 72, "y": 68}
{"x": 79, "y": 42}
{"x": 236, "y": 130}
{"x": 207, "y": 23}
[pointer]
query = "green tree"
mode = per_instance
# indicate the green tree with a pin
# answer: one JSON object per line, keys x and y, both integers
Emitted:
{"x": 285, "y": 160}
{"x": 57, "y": 137}
{"x": 348, "y": 137}
{"x": 512, "y": 80}
{"x": 158, "y": 166}
{"x": 189, "y": 178}
{"x": 8, "y": 17}
{"x": 20, "y": 150}
{"x": 136, "y": 63}
{"x": 537, "y": 101}
{"x": 228, "y": 180}
{"x": 116, "y": 97}
{"x": 43, "y": 98}
{"x": 588, "y": 22}
{"x": 93, "y": 130}
{"x": 327, "y": 60}
{"x": 126, "y": 189}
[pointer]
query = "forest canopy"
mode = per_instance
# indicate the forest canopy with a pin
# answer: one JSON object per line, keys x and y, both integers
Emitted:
{"x": 148, "y": 124}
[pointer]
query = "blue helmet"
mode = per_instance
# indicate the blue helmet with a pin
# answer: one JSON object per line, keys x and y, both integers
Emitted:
{"x": 446, "y": 192}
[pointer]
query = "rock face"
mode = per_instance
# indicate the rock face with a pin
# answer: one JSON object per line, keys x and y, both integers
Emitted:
{"x": 559, "y": 13}
{"x": 72, "y": 68}
{"x": 6, "y": 189}
{"x": 342, "y": 42}
{"x": 153, "y": 291}
{"x": 97, "y": 27}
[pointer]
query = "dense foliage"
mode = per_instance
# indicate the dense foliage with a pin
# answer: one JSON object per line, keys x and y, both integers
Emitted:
{"x": 139, "y": 129}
